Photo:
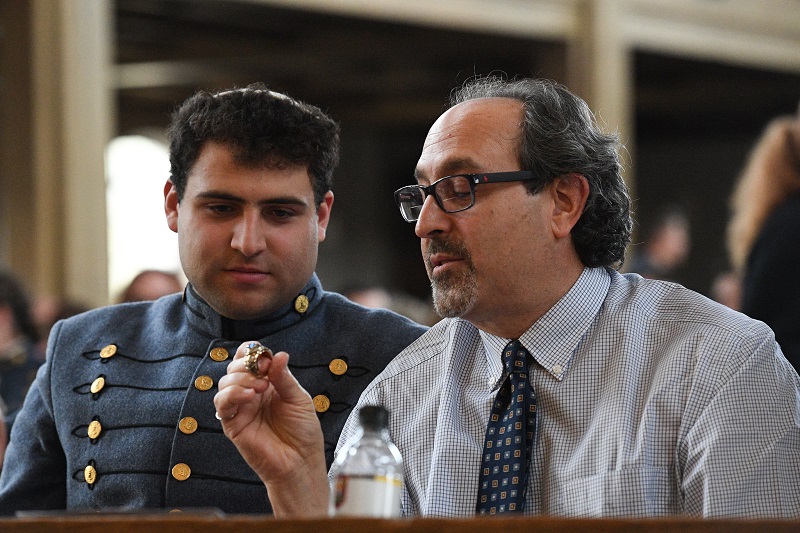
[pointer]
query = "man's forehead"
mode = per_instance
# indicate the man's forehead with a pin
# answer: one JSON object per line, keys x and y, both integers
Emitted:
{"x": 475, "y": 118}
{"x": 467, "y": 133}
{"x": 490, "y": 108}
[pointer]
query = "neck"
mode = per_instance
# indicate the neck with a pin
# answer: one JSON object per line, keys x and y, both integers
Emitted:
{"x": 511, "y": 318}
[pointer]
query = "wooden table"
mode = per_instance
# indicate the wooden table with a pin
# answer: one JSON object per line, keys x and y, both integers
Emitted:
{"x": 212, "y": 523}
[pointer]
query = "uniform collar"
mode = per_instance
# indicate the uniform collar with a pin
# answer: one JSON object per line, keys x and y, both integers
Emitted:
{"x": 202, "y": 317}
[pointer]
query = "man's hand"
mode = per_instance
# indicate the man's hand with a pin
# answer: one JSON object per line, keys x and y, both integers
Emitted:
{"x": 271, "y": 420}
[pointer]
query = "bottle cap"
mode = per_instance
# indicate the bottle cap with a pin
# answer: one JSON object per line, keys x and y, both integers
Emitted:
{"x": 374, "y": 417}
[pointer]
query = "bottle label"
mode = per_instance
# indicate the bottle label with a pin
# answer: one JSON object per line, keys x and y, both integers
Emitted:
{"x": 375, "y": 496}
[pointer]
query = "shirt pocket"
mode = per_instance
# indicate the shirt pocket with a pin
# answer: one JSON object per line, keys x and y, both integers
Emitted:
{"x": 639, "y": 491}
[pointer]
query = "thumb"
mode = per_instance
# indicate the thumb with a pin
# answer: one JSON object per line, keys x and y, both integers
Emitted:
{"x": 284, "y": 382}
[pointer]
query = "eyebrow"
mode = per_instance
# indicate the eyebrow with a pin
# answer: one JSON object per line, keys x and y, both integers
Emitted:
{"x": 452, "y": 166}
{"x": 281, "y": 200}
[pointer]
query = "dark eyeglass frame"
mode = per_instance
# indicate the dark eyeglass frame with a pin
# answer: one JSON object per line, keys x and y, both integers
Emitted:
{"x": 473, "y": 180}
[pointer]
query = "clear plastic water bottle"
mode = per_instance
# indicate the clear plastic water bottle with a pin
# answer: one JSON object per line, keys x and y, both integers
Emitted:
{"x": 368, "y": 470}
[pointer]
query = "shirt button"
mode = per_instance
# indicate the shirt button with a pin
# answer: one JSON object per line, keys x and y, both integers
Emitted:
{"x": 181, "y": 471}
{"x": 338, "y": 367}
{"x": 203, "y": 383}
{"x": 108, "y": 351}
{"x": 94, "y": 429}
{"x": 321, "y": 403}
{"x": 97, "y": 385}
{"x": 557, "y": 369}
{"x": 219, "y": 354}
{"x": 187, "y": 425}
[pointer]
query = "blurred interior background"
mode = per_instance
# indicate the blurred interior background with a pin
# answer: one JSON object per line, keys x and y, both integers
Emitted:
{"x": 87, "y": 86}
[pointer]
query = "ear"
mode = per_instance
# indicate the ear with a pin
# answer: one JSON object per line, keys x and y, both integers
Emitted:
{"x": 569, "y": 193}
{"x": 324, "y": 215}
{"x": 171, "y": 205}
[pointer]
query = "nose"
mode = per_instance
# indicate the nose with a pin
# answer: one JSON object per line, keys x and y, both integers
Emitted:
{"x": 248, "y": 234}
{"x": 432, "y": 219}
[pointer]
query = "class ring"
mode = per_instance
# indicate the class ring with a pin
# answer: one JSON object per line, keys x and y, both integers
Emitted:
{"x": 252, "y": 352}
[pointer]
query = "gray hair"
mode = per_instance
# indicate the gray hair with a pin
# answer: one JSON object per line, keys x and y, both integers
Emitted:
{"x": 560, "y": 136}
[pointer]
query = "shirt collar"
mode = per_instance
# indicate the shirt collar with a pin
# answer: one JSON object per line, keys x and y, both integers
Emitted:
{"x": 204, "y": 318}
{"x": 553, "y": 339}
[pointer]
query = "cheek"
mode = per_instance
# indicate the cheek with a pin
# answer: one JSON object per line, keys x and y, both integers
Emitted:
{"x": 293, "y": 242}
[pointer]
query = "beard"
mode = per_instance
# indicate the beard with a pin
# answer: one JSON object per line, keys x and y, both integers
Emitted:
{"x": 454, "y": 292}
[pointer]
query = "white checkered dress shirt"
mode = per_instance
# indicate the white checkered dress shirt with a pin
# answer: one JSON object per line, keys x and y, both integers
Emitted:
{"x": 652, "y": 400}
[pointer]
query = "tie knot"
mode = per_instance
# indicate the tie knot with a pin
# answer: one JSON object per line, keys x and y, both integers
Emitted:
{"x": 514, "y": 356}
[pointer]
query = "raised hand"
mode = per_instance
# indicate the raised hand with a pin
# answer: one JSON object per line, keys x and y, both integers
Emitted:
{"x": 271, "y": 420}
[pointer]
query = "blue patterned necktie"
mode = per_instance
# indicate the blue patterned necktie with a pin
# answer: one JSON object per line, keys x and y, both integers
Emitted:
{"x": 509, "y": 438}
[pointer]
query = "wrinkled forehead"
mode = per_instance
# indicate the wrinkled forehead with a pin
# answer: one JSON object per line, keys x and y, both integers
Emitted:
{"x": 477, "y": 135}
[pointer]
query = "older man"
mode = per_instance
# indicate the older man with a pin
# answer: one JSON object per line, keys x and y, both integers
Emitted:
{"x": 554, "y": 384}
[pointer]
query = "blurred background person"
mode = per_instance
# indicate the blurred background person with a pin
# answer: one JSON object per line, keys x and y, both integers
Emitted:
{"x": 726, "y": 288}
{"x": 19, "y": 355}
{"x": 47, "y": 310}
{"x": 764, "y": 232}
{"x": 666, "y": 245}
{"x": 151, "y": 285}
{"x": 404, "y": 304}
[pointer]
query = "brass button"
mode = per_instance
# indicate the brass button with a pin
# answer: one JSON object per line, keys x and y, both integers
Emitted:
{"x": 187, "y": 425}
{"x": 97, "y": 385}
{"x": 90, "y": 474}
{"x": 203, "y": 383}
{"x": 301, "y": 304}
{"x": 219, "y": 354}
{"x": 108, "y": 351}
{"x": 321, "y": 403}
{"x": 338, "y": 366}
{"x": 181, "y": 471}
{"x": 94, "y": 429}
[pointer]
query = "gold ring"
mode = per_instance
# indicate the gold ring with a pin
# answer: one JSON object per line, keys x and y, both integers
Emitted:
{"x": 251, "y": 354}
{"x": 216, "y": 415}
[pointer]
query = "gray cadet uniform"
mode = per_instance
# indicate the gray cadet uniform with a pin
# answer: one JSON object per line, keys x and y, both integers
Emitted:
{"x": 121, "y": 416}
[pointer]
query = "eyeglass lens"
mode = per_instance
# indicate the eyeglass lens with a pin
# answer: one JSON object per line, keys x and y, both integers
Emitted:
{"x": 410, "y": 200}
{"x": 453, "y": 194}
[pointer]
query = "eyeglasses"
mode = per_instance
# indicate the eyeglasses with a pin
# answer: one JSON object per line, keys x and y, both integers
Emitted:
{"x": 452, "y": 193}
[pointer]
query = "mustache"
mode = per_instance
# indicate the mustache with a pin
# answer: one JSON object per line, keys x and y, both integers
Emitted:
{"x": 445, "y": 246}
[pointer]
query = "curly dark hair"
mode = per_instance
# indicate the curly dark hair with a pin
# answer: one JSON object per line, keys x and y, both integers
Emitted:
{"x": 561, "y": 136}
{"x": 262, "y": 127}
{"x": 14, "y": 295}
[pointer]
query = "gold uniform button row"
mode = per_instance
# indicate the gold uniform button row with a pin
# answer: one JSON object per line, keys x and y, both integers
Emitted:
{"x": 181, "y": 471}
{"x": 217, "y": 354}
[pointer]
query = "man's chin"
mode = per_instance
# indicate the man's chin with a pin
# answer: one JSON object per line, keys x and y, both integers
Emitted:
{"x": 450, "y": 305}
